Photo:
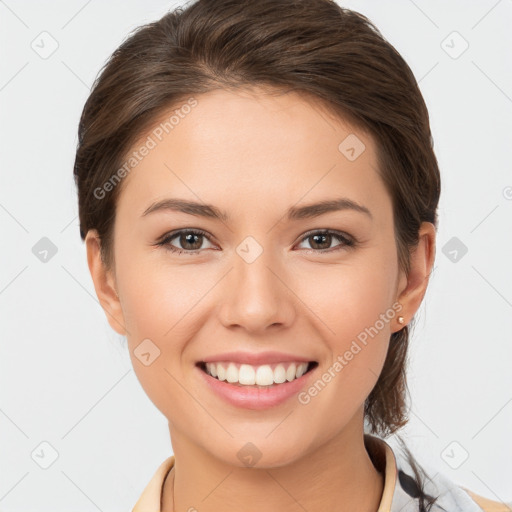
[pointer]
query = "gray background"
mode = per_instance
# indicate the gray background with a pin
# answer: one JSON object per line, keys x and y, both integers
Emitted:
{"x": 66, "y": 378}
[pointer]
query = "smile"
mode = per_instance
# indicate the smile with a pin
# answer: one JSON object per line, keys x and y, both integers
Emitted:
{"x": 260, "y": 376}
{"x": 254, "y": 395}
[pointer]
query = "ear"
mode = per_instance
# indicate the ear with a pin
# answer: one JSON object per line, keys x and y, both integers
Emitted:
{"x": 104, "y": 283}
{"x": 412, "y": 288}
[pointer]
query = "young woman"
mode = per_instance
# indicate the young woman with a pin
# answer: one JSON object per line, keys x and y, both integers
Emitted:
{"x": 258, "y": 193}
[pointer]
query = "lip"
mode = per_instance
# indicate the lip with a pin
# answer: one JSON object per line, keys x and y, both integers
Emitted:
{"x": 248, "y": 397}
{"x": 256, "y": 359}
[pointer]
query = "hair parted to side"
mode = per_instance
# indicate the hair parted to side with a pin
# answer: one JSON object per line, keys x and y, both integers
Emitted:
{"x": 314, "y": 47}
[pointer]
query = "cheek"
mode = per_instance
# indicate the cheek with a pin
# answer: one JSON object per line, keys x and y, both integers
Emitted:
{"x": 159, "y": 299}
{"x": 352, "y": 305}
{"x": 356, "y": 316}
{"x": 161, "y": 308}
{"x": 348, "y": 298}
{"x": 158, "y": 307}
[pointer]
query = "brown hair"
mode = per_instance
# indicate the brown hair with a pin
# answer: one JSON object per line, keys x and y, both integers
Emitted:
{"x": 311, "y": 46}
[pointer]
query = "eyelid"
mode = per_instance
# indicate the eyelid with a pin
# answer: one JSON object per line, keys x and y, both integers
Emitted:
{"x": 326, "y": 231}
{"x": 348, "y": 241}
{"x": 172, "y": 234}
{"x": 165, "y": 240}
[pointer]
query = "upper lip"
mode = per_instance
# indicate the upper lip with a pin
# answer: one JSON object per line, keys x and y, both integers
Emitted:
{"x": 256, "y": 359}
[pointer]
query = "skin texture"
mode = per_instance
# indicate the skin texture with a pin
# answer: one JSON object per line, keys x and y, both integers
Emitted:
{"x": 254, "y": 155}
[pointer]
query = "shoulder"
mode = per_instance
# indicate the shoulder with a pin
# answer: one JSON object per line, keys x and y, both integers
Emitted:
{"x": 486, "y": 504}
{"x": 436, "y": 487}
{"x": 150, "y": 499}
{"x": 449, "y": 495}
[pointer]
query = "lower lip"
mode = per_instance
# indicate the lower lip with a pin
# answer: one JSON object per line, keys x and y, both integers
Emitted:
{"x": 256, "y": 398}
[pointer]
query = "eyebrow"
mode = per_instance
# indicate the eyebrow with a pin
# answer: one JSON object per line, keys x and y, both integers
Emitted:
{"x": 293, "y": 213}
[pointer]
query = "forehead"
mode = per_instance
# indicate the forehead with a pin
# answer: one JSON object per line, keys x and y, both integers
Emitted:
{"x": 243, "y": 147}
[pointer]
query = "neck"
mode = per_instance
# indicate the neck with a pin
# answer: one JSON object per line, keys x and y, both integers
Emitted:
{"x": 338, "y": 475}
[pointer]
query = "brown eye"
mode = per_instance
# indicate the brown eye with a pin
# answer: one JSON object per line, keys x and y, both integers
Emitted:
{"x": 321, "y": 240}
{"x": 189, "y": 241}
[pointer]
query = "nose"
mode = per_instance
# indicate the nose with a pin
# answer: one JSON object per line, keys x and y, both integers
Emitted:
{"x": 256, "y": 295}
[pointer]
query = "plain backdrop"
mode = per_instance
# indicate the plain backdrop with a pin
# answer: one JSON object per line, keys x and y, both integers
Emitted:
{"x": 69, "y": 399}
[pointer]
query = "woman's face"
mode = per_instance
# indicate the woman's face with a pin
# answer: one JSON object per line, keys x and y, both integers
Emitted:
{"x": 260, "y": 279}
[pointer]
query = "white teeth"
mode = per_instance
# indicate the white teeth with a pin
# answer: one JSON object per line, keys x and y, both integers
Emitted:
{"x": 291, "y": 372}
{"x": 263, "y": 375}
{"x": 247, "y": 376}
{"x": 232, "y": 373}
{"x": 301, "y": 370}
{"x": 279, "y": 374}
{"x": 219, "y": 370}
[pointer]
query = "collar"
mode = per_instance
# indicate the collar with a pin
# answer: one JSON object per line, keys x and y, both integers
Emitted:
{"x": 380, "y": 452}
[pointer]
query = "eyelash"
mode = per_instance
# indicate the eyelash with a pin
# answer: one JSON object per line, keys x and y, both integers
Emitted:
{"x": 347, "y": 241}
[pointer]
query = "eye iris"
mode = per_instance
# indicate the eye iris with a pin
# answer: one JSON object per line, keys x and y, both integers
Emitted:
{"x": 186, "y": 239}
{"x": 324, "y": 236}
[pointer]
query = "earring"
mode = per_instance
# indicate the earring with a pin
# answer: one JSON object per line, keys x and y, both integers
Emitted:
{"x": 401, "y": 320}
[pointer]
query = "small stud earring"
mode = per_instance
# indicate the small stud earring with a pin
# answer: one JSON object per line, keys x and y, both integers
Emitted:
{"x": 400, "y": 319}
